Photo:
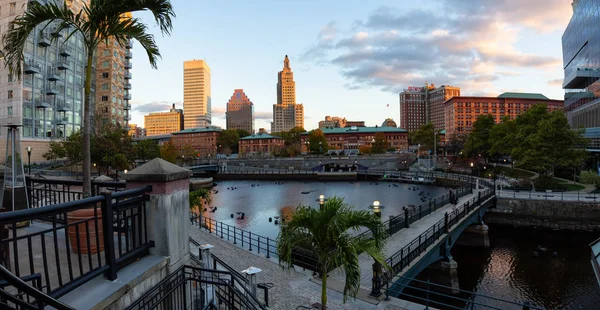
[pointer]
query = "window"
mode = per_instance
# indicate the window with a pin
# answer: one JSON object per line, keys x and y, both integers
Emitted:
{"x": 13, "y": 7}
{"x": 10, "y": 94}
{"x": 105, "y": 64}
{"x": 105, "y": 86}
{"x": 106, "y": 53}
{"x": 105, "y": 75}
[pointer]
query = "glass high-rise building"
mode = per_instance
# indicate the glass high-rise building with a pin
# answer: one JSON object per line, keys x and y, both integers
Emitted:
{"x": 48, "y": 100}
{"x": 581, "y": 63}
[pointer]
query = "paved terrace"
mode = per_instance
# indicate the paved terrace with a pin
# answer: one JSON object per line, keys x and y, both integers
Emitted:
{"x": 295, "y": 287}
{"x": 396, "y": 242}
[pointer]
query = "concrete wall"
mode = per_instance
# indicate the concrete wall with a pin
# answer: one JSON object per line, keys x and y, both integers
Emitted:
{"x": 391, "y": 161}
{"x": 563, "y": 215}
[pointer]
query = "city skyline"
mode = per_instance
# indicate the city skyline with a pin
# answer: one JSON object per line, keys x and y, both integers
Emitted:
{"x": 351, "y": 59}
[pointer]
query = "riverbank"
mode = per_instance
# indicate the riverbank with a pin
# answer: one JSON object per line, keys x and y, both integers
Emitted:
{"x": 556, "y": 215}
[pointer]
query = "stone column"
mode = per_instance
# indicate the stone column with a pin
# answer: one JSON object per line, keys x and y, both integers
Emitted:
{"x": 475, "y": 235}
{"x": 167, "y": 211}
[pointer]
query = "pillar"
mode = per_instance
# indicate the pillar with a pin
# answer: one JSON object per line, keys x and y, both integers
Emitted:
{"x": 475, "y": 235}
{"x": 443, "y": 273}
{"x": 167, "y": 211}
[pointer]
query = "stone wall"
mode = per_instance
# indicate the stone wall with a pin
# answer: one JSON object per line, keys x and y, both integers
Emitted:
{"x": 563, "y": 215}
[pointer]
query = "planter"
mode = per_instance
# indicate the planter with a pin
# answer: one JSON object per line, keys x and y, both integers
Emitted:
{"x": 80, "y": 215}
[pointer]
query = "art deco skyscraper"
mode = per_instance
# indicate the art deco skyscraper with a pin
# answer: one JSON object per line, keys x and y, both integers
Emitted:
{"x": 196, "y": 94}
{"x": 240, "y": 112}
{"x": 286, "y": 113}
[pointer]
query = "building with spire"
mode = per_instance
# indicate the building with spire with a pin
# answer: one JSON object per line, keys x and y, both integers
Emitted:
{"x": 240, "y": 112}
{"x": 196, "y": 94}
{"x": 287, "y": 114}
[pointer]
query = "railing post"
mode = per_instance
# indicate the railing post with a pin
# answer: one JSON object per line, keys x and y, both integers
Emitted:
{"x": 234, "y": 237}
{"x": 250, "y": 240}
{"x": 446, "y": 222}
{"x": 108, "y": 235}
{"x": 406, "y": 224}
{"x": 268, "y": 249}
{"x": 376, "y": 281}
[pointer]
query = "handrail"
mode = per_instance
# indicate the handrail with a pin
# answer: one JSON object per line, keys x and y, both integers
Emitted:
{"x": 30, "y": 214}
{"x": 21, "y": 285}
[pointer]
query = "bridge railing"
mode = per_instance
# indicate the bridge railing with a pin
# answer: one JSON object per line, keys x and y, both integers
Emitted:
{"x": 406, "y": 255}
{"x": 265, "y": 171}
{"x": 559, "y": 196}
{"x": 432, "y": 295}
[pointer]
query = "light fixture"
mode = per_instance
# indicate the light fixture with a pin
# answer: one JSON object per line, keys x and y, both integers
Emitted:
{"x": 125, "y": 171}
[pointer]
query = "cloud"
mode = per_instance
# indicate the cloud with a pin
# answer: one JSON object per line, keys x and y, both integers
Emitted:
{"x": 468, "y": 43}
{"x": 555, "y": 82}
{"x": 219, "y": 112}
{"x": 155, "y": 106}
{"x": 267, "y": 116}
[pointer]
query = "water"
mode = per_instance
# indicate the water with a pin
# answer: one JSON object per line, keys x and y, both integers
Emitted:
{"x": 270, "y": 198}
{"x": 508, "y": 269}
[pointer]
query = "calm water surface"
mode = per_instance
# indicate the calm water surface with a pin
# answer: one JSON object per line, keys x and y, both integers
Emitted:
{"x": 269, "y": 199}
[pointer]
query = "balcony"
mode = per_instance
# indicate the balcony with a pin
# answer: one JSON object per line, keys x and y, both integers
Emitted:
{"x": 43, "y": 40}
{"x": 31, "y": 67}
{"x": 66, "y": 51}
{"x": 127, "y": 76}
{"x": 127, "y": 117}
{"x": 127, "y": 86}
{"x": 128, "y": 64}
{"x": 127, "y": 96}
{"x": 53, "y": 76}
{"x": 42, "y": 103}
{"x": 62, "y": 106}
{"x": 580, "y": 78}
{"x": 51, "y": 90}
{"x": 127, "y": 106}
{"x": 128, "y": 43}
{"x": 55, "y": 33}
{"x": 62, "y": 65}
{"x": 128, "y": 54}
{"x": 62, "y": 120}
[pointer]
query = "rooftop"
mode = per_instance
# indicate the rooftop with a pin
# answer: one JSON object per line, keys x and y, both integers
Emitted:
{"x": 351, "y": 130}
{"x": 260, "y": 136}
{"x": 523, "y": 96}
{"x": 195, "y": 130}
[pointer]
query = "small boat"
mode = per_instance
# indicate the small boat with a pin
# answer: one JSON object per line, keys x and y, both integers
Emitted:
{"x": 305, "y": 192}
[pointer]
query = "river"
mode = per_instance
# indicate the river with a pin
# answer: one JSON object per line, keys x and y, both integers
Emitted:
{"x": 506, "y": 270}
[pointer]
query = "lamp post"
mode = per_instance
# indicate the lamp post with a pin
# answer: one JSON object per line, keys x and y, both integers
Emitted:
{"x": 307, "y": 147}
{"x": 321, "y": 200}
{"x": 29, "y": 158}
{"x": 376, "y": 281}
{"x": 320, "y": 147}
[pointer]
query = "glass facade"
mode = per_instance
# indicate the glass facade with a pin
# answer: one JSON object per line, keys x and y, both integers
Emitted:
{"x": 581, "y": 62}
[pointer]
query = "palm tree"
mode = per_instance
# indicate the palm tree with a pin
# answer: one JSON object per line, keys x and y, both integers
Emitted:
{"x": 98, "y": 21}
{"x": 327, "y": 233}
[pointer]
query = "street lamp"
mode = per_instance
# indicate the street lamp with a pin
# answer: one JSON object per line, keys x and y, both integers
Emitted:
{"x": 320, "y": 147}
{"x": 29, "y": 158}
{"x": 321, "y": 201}
{"x": 376, "y": 206}
{"x": 307, "y": 147}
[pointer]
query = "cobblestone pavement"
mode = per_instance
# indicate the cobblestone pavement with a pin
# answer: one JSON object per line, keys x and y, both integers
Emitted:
{"x": 397, "y": 241}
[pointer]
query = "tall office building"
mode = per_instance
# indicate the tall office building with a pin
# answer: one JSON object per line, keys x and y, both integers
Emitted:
{"x": 240, "y": 112}
{"x": 113, "y": 85}
{"x": 160, "y": 123}
{"x": 421, "y": 105}
{"x": 196, "y": 94}
{"x": 48, "y": 100}
{"x": 581, "y": 62}
{"x": 287, "y": 114}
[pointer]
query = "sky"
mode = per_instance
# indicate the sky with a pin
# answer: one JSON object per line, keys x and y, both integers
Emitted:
{"x": 351, "y": 58}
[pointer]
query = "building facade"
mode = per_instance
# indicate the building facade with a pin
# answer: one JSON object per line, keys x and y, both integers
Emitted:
{"x": 461, "y": 112}
{"x": 196, "y": 94}
{"x": 350, "y": 139}
{"x": 581, "y": 63}
{"x": 48, "y": 99}
{"x": 240, "y": 112}
{"x": 287, "y": 114}
{"x": 113, "y": 82}
{"x": 332, "y": 122}
{"x": 202, "y": 140}
{"x": 261, "y": 144}
{"x": 421, "y": 105}
{"x": 160, "y": 123}
{"x": 388, "y": 123}
{"x": 136, "y": 131}
{"x": 355, "y": 123}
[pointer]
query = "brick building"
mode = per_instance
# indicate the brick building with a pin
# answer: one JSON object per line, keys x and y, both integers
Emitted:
{"x": 332, "y": 122}
{"x": 202, "y": 140}
{"x": 350, "y": 139}
{"x": 421, "y": 105}
{"x": 260, "y": 144}
{"x": 240, "y": 112}
{"x": 461, "y": 112}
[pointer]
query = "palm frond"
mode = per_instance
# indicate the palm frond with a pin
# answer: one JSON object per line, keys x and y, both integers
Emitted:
{"x": 162, "y": 10}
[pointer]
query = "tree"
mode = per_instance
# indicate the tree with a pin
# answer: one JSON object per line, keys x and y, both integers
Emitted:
{"x": 112, "y": 148}
{"x": 168, "y": 152}
{"x": 424, "y": 137}
{"x": 73, "y": 147}
{"x": 229, "y": 140}
{"x": 380, "y": 145}
{"x": 98, "y": 21}
{"x": 502, "y": 137}
{"x": 188, "y": 152}
{"x": 478, "y": 142}
{"x": 147, "y": 150}
{"x": 55, "y": 151}
{"x": 328, "y": 233}
{"x": 200, "y": 197}
{"x": 318, "y": 142}
{"x": 365, "y": 149}
{"x": 292, "y": 141}
{"x": 455, "y": 143}
{"x": 242, "y": 133}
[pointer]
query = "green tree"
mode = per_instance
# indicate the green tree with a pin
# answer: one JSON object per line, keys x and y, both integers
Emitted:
{"x": 228, "y": 141}
{"x": 424, "y": 137}
{"x": 112, "y": 148}
{"x": 292, "y": 141}
{"x": 168, "y": 151}
{"x": 328, "y": 232}
{"x": 455, "y": 144}
{"x": 318, "y": 142}
{"x": 242, "y": 133}
{"x": 200, "y": 197}
{"x": 73, "y": 147}
{"x": 502, "y": 137}
{"x": 188, "y": 153}
{"x": 56, "y": 150}
{"x": 147, "y": 150}
{"x": 478, "y": 142}
{"x": 380, "y": 145}
{"x": 98, "y": 21}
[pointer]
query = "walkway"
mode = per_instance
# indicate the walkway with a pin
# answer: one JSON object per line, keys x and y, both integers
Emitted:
{"x": 398, "y": 241}
{"x": 292, "y": 288}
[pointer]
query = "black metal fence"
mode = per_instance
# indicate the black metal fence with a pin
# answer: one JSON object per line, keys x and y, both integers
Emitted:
{"x": 237, "y": 170}
{"x": 197, "y": 288}
{"x": 72, "y": 242}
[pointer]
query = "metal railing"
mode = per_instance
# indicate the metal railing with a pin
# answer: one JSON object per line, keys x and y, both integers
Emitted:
{"x": 548, "y": 195}
{"x": 196, "y": 288}
{"x": 432, "y": 295}
{"x": 229, "y": 170}
{"x": 69, "y": 248}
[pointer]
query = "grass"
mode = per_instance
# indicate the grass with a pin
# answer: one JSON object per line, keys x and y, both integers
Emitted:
{"x": 569, "y": 187}
{"x": 514, "y": 173}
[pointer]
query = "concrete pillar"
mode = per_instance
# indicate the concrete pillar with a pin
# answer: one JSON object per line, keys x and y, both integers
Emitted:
{"x": 443, "y": 273}
{"x": 475, "y": 235}
{"x": 251, "y": 273}
{"x": 168, "y": 210}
